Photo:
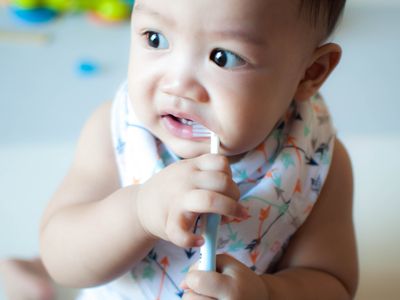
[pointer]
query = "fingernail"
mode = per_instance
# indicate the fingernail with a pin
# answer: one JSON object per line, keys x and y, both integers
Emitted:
{"x": 183, "y": 285}
{"x": 199, "y": 242}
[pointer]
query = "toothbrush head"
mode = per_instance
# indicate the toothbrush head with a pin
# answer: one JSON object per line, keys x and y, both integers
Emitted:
{"x": 200, "y": 131}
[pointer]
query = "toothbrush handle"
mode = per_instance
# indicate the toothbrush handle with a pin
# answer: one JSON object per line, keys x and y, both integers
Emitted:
{"x": 210, "y": 234}
{"x": 214, "y": 146}
{"x": 210, "y": 226}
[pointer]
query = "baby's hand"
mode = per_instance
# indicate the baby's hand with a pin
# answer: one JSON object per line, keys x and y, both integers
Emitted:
{"x": 232, "y": 281}
{"x": 169, "y": 203}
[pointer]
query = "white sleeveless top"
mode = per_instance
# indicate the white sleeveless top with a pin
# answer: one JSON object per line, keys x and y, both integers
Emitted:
{"x": 279, "y": 181}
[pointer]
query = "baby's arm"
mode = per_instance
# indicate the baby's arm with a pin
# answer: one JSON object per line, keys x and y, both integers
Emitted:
{"x": 320, "y": 262}
{"x": 85, "y": 229}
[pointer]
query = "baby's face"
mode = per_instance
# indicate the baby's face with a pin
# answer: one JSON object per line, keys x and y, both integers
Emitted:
{"x": 231, "y": 65}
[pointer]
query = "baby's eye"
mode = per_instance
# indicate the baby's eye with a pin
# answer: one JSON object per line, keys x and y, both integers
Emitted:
{"x": 156, "y": 40}
{"x": 226, "y": 59}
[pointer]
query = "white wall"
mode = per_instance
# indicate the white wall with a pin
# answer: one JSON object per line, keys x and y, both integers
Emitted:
{"x": 374, "y": 2}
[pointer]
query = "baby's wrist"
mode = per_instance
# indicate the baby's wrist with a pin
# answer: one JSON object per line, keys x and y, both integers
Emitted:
{"x": 140, "y": 213}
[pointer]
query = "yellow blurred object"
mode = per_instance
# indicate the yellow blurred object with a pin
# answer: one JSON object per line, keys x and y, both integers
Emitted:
{"x": 24, "y": 37}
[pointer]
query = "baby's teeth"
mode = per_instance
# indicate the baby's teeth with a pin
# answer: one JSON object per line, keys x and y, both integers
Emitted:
{"x": 186, "y": 121}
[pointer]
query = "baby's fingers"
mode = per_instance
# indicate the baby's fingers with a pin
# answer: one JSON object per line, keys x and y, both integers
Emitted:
{"x": 179, "y": 230}
{"x": 208, "y": 284}
{"x": 219, "y": 182}
{"x": 190, "y": 295}
{"x": 203, "y": 201}
{"x": 213, "y": 162}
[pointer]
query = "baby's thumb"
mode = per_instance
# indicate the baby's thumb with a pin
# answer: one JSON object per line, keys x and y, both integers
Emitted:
{"x": 227, "y": 264}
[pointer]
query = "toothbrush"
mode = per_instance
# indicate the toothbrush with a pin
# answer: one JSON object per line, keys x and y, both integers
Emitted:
{"x": 210, "y": 222}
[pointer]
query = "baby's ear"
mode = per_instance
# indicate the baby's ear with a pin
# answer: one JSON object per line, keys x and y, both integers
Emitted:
{"x": 324, "y": 61}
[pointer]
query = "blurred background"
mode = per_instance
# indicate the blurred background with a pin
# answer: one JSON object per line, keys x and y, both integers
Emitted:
{"x": 53, "y": 75}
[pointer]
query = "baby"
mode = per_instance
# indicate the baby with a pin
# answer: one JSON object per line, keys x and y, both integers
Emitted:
{"x": 123, "y": 223}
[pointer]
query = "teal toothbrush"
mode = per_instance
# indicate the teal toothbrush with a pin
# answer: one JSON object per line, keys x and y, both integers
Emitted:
{"x": 210, "y": 222}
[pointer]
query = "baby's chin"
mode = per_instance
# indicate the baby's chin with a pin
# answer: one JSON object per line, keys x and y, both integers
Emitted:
{"x": 188, "y": 151}
{"x": 193, "y": 150}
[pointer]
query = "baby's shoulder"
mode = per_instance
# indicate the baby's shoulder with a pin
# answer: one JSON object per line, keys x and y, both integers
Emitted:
{"x": 95, "y": 142}
{"x": 99, "y": 119}
{"x": 339, "y": 183}
{"x": 102, "y": 112}
{"x": 341, "y": 162}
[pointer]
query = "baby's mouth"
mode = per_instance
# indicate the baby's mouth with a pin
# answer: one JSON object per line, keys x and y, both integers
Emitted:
{"x": 183, "y": 127}
{"x": 183, "y": 121}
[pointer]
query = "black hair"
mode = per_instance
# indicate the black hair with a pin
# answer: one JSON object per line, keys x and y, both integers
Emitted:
{"x": 323, "y": 12}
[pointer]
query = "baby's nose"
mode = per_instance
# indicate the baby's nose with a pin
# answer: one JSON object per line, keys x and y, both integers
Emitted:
{"x": 183, "y": 84}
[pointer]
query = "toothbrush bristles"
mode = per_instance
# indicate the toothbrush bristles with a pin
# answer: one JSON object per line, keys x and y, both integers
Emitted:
{"x": 199, "y": 130}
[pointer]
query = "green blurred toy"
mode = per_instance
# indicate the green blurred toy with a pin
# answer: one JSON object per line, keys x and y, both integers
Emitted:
{"x": 112, "y": 10}
{"x": 37, "y": 11}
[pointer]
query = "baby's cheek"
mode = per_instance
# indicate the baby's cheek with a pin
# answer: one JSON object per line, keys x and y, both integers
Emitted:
{"x": 245, "y": 139}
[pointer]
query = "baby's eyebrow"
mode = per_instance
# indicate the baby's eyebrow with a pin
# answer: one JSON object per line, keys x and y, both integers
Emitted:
{"x": 147, "y": 10}
{"x": 241, "y": 34}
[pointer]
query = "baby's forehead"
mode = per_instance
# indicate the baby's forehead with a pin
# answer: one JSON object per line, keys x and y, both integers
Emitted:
{"x": 266, "y": 9}
{"x": 250, "y": 15}
{"x": 228, "y": 8}
{"x": 261, "y": 15}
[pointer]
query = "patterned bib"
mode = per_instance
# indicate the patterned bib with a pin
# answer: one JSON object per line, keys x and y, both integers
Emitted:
{"x": 279, "y": 182}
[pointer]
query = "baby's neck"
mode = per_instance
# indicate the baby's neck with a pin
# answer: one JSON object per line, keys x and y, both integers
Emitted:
{"x": 235, "y": 158}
